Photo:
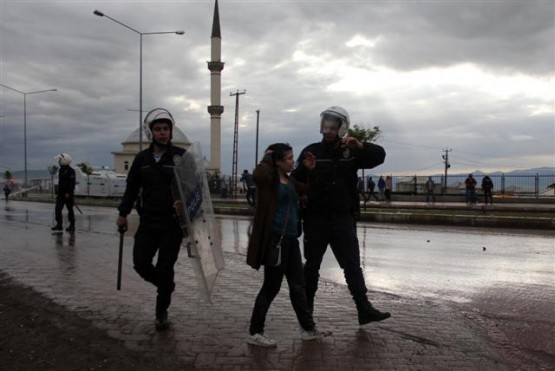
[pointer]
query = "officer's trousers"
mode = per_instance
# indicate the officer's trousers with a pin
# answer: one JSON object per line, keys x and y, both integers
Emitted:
{"x": 339, "y": 231}
{"x": 166, "y": 241}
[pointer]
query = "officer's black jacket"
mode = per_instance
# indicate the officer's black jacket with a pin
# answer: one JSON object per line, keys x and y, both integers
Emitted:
{"x": 154, "y": 181}
{"x": 66, "y": 180}
{"x": 333, "y": 182}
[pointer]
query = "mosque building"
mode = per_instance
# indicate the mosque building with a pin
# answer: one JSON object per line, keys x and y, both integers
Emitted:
{"x": 124, "y": 158}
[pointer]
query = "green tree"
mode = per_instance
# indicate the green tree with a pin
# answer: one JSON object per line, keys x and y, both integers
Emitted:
{"x": 87, "y": 170}
{"x": 52, "y": 170}
{"x": 365, "y": 135}
{"x": 8, "y": 175}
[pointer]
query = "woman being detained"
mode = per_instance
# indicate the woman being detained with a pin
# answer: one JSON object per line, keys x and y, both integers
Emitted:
{"x": 276, "y": 224}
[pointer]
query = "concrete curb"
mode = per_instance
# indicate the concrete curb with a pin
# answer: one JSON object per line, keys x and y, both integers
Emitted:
{"x": 463, "y": 220}
{"x": 485, "y": 221}
{"x": 423, "y": 215}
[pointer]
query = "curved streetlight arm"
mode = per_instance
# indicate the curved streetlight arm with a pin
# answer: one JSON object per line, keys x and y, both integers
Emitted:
{"x": 163, "y": 32}
{"x": 100, "y": 14}
{"x": 40, "y": 91}
{"x": 28, "y": 93}
{"x": 25, "y": 94}
{"x": 7, "y": 87}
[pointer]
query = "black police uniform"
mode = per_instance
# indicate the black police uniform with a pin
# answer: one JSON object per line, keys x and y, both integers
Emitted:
{"x": 330, "y": 215}
{"x": 66, "y": 185}
{"x": 159, "y": 229}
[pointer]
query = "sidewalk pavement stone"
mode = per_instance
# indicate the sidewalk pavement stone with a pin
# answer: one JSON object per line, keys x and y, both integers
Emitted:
{"x": 79, "y": 273}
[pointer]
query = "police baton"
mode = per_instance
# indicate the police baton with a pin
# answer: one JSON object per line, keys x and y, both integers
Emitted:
{"x": 121, "y": 234}
{"x": 77, "y": 207}
{"x": 73, "y": 203}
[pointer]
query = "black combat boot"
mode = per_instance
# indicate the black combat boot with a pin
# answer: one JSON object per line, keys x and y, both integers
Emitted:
{"x": 162, "y": 322}
{"x": 163, "y": 301}
{"x": 57, "y": 228}
{"x": 367, "y": 313}
{"x": 71, "y": 227}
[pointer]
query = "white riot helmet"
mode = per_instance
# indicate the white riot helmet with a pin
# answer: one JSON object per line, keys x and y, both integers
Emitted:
{"x": 336, "y": 112}
{"x": 157, "y": 114}
{"x": 63, "y": 159}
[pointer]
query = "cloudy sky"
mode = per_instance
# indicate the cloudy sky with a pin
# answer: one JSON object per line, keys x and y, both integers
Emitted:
{"x": 476, "y": 77}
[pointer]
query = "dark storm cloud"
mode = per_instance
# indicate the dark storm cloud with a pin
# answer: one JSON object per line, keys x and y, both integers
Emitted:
{"x": 294, "y": 59}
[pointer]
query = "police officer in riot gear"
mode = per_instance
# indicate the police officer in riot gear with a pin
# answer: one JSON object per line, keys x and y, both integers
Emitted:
{"x": 151, "y": 175}
{"x": 65, "y": 195}
{"x": 329, "y": 214}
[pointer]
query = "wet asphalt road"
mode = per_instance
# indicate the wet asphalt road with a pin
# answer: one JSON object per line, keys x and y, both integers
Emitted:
{"x": 505, "y": 278}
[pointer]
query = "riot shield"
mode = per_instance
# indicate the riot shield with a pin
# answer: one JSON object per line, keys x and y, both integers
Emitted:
{"x": 197, "y": 219}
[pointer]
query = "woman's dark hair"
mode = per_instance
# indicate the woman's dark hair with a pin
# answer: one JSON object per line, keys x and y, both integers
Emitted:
{"x": 278, "y": 150}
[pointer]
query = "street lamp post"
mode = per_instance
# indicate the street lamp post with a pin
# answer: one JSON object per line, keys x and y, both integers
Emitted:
{"x": 256, "y": 146}
{"x": 25, "y": 94}
{"x": 100, "y": 14}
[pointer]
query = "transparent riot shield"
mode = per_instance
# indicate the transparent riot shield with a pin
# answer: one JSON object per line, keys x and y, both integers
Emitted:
{"x": 197, "y": 219}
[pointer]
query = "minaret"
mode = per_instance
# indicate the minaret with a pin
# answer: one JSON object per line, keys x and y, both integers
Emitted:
{"x": 215, "y": 109}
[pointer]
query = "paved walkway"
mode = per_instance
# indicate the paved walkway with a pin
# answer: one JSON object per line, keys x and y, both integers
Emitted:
{"x": 79, "y": 273}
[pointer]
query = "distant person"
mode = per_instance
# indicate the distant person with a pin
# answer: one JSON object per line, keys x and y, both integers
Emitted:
{"x": 250, "y": 187}
{"x": 487, "y": 187}
{"x": 224, "y": 190}
{"x": 360, "y": 189}
{"x": 381, "y": 188}
{"x": 7, "y": 191}
{"x": 276, "y": 223}
{"x": 470, "y": 186}
{"x": 430, "y": 185}
{"x": 370, "y": 189}
{"x": 329, "y": 215}
{"x": 65, "y": 196}
{"x": 388, "y": 188}
{"x": 361, "y": 198}
{"x": 159, "y": 232}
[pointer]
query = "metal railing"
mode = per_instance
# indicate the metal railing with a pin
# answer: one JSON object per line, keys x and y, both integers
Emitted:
{"x": 518, "y": 185}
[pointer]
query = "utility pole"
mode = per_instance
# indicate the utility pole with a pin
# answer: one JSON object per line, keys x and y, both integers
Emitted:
{"x": 447, "y": 166}
{"x": 235, "y": 144}
{"x": 256, "y": 147}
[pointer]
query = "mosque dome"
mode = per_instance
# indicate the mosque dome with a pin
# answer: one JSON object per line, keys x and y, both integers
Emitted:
{"x": 124, "y": 157}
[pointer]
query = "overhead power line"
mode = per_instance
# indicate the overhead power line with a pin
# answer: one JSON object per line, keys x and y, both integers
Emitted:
{"x": 429, "y": 167}
{"x": 412, "y": 144}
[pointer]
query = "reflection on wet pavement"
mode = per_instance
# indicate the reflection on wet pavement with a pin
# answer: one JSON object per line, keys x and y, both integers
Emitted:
{"x": 447, "y": 263}
{"x": 66, "y": 252}
{"x": 504, "y": 278}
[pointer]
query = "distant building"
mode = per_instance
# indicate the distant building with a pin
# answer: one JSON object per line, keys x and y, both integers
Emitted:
{"x": 124, "y": 158}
